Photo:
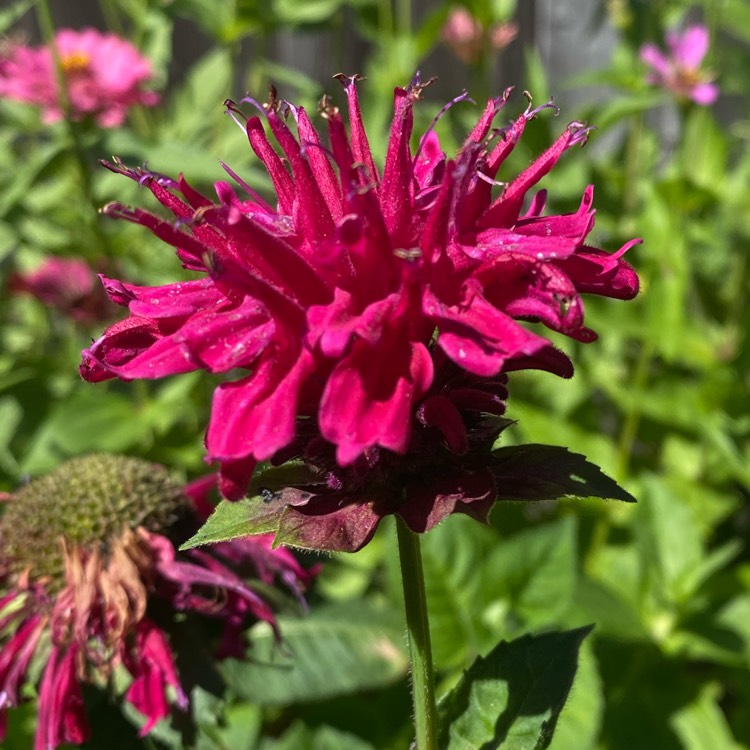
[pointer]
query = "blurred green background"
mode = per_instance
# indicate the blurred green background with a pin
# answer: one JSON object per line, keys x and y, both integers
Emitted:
{"x": 660, "y": 402}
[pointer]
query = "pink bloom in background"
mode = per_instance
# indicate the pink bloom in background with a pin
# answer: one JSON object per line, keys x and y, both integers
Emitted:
{"x": 467, "y": 38}
{"x": 68, "y": 285}
{"x": 105, "y": 76}
{"x": 679, "y": 71}
{"x": 346, "y": 300}
{"x": 91, "y": 582}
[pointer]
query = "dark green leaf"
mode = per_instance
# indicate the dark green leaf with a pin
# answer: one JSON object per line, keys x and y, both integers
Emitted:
{"x": 512, "y": 698}
{"x": 549, "y": 472}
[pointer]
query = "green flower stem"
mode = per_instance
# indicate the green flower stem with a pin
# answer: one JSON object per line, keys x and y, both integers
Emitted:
{"x": 47, "y": 25}
{"x": 403, "y": 17}
{"x": 418, "y": 629}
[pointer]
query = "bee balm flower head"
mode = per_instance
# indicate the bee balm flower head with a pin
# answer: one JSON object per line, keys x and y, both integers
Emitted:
{"x": 90, "y": 582}
{"x": 337, "y": 298}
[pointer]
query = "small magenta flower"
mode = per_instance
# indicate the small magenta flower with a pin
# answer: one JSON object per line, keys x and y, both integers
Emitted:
{"x": 91, "y": 583}
{"x": 67, "y": 285}
{"x": 679, "y": 71}
{"x": 104, "y": 75}
{"x": 467, "y": 38}
{"x": 338, "y": 301}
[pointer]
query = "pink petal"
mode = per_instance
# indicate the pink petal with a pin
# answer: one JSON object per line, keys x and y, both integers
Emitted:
{"x": 690, "y": 47}
{"x": 370, "y": 394}
{"x": 704, "y": 94}
{"x": 655, "y": 58}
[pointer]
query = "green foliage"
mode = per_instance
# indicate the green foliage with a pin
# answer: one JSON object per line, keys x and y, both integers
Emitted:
{"x": 335, "y": 650}
{"x": 512, "y": 698}
{"x": 660, "y": 402}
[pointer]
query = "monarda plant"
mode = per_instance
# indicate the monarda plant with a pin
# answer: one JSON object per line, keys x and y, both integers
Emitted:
{"x": 373, "y": 314}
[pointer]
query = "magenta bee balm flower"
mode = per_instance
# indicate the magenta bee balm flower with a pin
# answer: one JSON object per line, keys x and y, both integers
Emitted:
{"x": 679, "y": 71}
{"x": 68, "y": 285}
{"x": 91, "y": 583}
{"x": 338, "y": 300}
{"x": 105, "y": 76}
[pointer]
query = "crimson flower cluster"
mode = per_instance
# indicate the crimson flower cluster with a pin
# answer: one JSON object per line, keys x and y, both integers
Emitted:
{"x": 339, "y": 301}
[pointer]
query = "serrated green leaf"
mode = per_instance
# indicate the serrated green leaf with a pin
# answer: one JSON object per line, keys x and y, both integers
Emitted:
{"x": 258, "y": 514}
{"x": 512, "y": 698}
{"x": 235, "y": 519}
{"x": 549, "y": 472}
{"x": 336, "y": 650}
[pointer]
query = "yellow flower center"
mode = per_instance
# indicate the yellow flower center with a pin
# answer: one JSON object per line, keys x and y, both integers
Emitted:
{"x": 75, "y": 62}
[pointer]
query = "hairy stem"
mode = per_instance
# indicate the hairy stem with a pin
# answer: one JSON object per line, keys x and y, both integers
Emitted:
{"x": 418, "y": 629}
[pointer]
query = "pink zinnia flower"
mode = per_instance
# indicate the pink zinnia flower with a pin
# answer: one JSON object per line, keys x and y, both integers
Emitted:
{"x": 679, "y": 71}
{"x": 90, "y": 582}
{"x": 337, "y": 300}
{"x": 105, "y": 76}
{"x": 68, "y": 285}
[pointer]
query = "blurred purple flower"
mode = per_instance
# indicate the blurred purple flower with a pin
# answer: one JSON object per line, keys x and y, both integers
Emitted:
{"x": 104, "y": 75}
{"x": 679, "y": 71}
{"x": 68, "y": 285}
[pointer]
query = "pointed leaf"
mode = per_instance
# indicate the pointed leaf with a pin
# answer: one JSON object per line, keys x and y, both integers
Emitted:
{"x": 232, "y": 520}
{"x": 512, "y": 698}
{"x": 549, "y": 472}
{"x": 258, "y": 514}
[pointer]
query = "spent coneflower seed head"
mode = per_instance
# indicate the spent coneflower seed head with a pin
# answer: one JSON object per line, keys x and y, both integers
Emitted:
{"x": 91, "y": 581}
{"x": 87, "y": 503}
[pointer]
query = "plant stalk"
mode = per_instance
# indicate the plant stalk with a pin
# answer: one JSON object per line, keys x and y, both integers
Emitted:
{"x": 47, "y": 27}
{"x": 418, "y": 629}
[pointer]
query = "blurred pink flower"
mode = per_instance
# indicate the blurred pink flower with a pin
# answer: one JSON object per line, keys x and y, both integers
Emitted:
{"x": 91, "y": 581}
{"x": 679, "y": 71}
{"x": 467, "y": 38}
{"x": 336, "y": 301}
{"x": 68, "y": 285}
{"x": 104, "y": 75}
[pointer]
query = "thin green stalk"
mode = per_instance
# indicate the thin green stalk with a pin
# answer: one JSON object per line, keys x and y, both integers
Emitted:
{"x": 633, "y": 171}
{"x": 418, "y": 629}
{"x": 403, "y": 17}
{"x": 385, "y": 18}
{"x": 46, "y": 24}
{"x": 628, "y": 434}
{"x": 112, "y": 16}
{"x": 138, "y": 114}
{"x": 629, "y": 430}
